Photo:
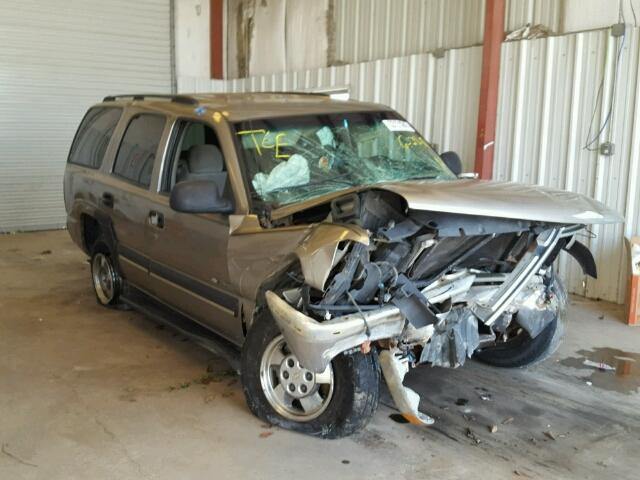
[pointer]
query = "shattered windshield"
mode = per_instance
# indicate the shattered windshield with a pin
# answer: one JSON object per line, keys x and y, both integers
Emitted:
{"x": 297, "y": 158}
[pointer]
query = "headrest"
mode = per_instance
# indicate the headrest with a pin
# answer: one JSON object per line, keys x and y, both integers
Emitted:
{"x": 205, "y": 159}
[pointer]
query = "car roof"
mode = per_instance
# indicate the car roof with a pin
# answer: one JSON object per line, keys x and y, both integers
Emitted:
{"x": 245, "y": 106}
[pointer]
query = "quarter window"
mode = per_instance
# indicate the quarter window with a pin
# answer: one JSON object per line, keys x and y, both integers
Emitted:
{"x": 94, "y": 134}
{"x": 137, "y": 152}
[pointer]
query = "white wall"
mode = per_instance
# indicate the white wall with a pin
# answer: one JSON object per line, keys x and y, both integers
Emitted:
{"x": 590, "y": 14}
{"x": 191, "y": 20}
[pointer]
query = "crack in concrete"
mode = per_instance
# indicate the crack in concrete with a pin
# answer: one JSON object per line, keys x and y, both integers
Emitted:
{"x": 123, "y": 448}
{"x": 15, "y": 457}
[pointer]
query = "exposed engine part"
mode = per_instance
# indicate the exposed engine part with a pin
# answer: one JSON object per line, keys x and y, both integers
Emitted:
{"x": 342, "y": 281}
{"x": 455, "y": 338}
{"x": 394, "y": 368}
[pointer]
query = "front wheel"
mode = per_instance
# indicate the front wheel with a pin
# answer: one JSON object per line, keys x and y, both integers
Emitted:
{"x": 279, "y": 390}
{"x": 520, "y": 350}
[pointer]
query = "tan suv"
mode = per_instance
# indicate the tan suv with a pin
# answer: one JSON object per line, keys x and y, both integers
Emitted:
{"x": 320, "y": 240}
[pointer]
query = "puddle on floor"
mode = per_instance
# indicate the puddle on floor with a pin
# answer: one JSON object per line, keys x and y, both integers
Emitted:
{"x": 611, "y": 369}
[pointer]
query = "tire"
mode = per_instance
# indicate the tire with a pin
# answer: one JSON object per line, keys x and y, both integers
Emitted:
{"x": 105, "y": 277}
{"x": 347, "y": 409}
{"x": 525, "y": 351}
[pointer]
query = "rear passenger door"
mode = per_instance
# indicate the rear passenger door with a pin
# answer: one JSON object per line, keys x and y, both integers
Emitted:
{"x": 128, "y": 197}
{"x": 189, "y": 251}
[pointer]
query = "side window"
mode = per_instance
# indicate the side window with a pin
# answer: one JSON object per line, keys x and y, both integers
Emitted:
{"x": 137, "y": 152}
{"x": 93, "y": 136}
{"x": 196, "y": 155}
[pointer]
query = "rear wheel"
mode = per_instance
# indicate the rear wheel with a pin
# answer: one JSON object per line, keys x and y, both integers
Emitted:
{"x": 331, "y": 404}
{"x": 519, "y": 349}
{"x": 104, "y": 274}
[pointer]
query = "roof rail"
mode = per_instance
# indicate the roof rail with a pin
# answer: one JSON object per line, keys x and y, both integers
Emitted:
{"x": 185, "y": 99}
{"x": 294, "y": 92}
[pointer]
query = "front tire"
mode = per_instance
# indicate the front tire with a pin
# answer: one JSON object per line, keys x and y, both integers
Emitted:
{"x": 333, "y": 404}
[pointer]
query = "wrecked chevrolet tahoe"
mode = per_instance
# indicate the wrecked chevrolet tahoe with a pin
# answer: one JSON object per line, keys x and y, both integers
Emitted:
{"x": 322, "y": 241}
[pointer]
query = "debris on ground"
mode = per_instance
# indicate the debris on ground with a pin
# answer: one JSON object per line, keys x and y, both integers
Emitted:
{"x": 549, "y": 434}
{"x": 603, "y": 367}
{"x": 346, "y": 462}
{"x": 507, "y": 421}
{"x": 265, "y": 434}
{"x": 473, "y": 437}
{"x": 469, "y": 418}
{"x": 493, "y": 428}
{"x": 462, "y": 402}
{"x": 484, "y": 394}
{"x": 46, "y": 252}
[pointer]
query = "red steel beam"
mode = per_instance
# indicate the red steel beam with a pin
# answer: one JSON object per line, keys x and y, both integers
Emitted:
{"x": 487, "y": 111}
{"x": 216, "y": 45}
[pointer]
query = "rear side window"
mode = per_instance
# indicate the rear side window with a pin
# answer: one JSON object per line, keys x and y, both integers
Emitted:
{"x": 137, "y": 152}
{"x": 93, "y": 136}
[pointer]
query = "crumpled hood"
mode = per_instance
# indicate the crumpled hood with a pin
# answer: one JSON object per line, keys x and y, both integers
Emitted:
{"x": 504, "y": 200}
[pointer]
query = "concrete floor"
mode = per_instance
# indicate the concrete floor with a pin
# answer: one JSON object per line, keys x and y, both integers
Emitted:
{"x": 87, "y": 392}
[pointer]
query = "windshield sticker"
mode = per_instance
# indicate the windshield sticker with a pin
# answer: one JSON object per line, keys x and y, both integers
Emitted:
{"x": 398, "y": 125}
{"x": 264, "y": 139}
{"x": 410, "y": 141}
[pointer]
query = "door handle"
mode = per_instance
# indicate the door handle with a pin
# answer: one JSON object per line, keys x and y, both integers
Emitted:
{"x": 107, "y": 200}
{"x": 156, "y": 219}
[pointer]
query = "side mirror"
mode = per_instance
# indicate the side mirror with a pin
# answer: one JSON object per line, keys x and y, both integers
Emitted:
{"x": 198, "y": 196}
{"x": 452, "y": 160}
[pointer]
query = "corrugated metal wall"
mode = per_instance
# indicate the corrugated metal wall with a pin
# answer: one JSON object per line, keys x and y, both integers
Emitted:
{"x": 439, "y": 96}
{"x": 56, "y": 59}
{"x": 548, "y": 97}
{"x": 369, "y": 30}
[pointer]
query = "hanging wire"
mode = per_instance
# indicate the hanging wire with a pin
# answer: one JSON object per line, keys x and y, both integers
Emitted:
{"x": 633, "y": 12}
{"x": 591, "y": 140}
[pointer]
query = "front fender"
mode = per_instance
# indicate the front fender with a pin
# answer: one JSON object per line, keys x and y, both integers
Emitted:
{"x": 317, "y": 252}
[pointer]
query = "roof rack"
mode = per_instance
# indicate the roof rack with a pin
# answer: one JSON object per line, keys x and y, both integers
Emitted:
{"x": 185, "y": 99}
{"x": 294, "y": 92}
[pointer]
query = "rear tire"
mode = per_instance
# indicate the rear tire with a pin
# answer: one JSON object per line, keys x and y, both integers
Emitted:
{"x": 106, "y": 280}
{"x": 525, "y": 351}
{"x": 351, "y": 397}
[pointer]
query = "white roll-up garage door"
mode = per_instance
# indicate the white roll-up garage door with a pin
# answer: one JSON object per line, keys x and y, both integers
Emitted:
{"x": 57, "y": 57}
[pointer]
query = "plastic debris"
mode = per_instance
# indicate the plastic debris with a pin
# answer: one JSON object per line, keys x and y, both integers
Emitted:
{"x": 599, "y": 365}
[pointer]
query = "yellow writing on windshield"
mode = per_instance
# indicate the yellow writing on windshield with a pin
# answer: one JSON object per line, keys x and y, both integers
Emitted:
{"x": 260, "y": 141}
{"x": 410, "y": 141}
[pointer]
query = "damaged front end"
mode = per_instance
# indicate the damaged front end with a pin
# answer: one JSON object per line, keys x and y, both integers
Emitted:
{"x": 420, "y": 286}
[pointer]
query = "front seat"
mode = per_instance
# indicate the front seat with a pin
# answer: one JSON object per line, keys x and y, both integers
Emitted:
{"x": 204, "y": 162}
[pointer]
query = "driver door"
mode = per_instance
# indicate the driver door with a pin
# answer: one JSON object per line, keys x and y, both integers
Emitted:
{"x": 189, "y": 251}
